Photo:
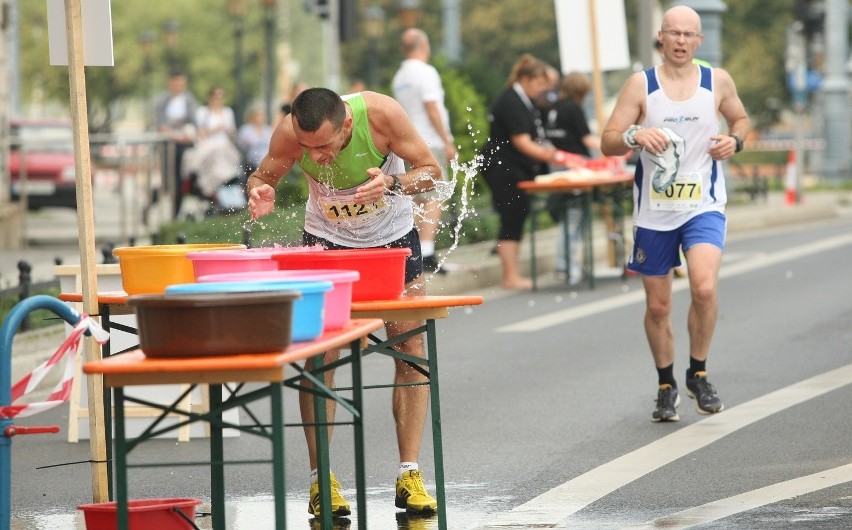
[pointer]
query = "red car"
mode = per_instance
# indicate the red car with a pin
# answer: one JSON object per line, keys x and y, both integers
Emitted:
{"x": 47, "y": 149}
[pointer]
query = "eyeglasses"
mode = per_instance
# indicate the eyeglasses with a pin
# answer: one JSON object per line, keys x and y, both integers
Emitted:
{"x": 678, "y": 34}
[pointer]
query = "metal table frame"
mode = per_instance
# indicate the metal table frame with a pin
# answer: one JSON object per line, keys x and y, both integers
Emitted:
{"x": 133, "y": 368}
{"x": 425, "y": 309}
{"x": 565, "y": 186}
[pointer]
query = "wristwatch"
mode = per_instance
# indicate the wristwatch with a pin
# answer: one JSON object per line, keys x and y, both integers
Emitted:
{"x": 396, "y": 187}
{"x": 739, "y": 142}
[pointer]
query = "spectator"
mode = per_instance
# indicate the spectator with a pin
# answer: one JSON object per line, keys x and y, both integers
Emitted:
{"x": 568, "y": 130}
{"x": 174, "y": 116}
{"x": 253, "y": 139}
{"x": 514, "y": 153}
{"x": 216, "y": 159}
{"x": 417, "y": 86}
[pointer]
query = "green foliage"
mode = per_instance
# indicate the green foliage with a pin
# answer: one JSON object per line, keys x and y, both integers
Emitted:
{"x": 40, "y": 318}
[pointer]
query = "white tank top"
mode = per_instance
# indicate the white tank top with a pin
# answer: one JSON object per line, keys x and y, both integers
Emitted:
{"x": 332, "y": 215}
{"x": 699, "y": 186}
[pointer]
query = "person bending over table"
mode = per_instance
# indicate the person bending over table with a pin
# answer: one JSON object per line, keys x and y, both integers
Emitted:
{"x": 352, "y": 150}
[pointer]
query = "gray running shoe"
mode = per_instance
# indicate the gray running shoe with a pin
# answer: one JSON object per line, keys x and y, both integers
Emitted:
{"x": 667, "y": 402}
{"x": 700, "y": 389}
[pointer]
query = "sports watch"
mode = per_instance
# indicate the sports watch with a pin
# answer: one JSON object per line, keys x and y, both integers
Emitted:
{"x": 739, "y": 142}
{"x": 396, "y": 187}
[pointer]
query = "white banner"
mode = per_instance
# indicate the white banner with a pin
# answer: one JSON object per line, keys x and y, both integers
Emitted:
{"x": 97, "y": 33}
{"x": 575, "y": 35}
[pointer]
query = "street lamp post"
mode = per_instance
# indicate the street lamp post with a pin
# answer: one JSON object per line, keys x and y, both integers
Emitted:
{"x": 171, "y": 30}
{"x": 374, "y": 27}
{"x": 146, "y": 44}
{"x": 409, "y": 13}
{"x": 269, "y": 39}
{"x": 237, "y": 9}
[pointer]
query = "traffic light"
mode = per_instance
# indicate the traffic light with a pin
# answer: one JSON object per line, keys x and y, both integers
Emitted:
{"x": 812, "y": 15}
{"x": 348, "y": 19}
{"x": 347, "y": 15}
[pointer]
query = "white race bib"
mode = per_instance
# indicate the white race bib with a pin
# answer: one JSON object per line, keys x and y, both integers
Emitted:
{"x": 683, "y": 194}
{"x": 351, "y": 214}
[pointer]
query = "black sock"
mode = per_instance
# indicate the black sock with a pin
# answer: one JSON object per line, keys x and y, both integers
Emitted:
{"x": 695, "y": 366}
{"x": 666, "y": 376}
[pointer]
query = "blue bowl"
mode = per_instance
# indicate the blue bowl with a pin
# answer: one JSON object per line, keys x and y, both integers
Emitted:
{"x": 308, "y": 311}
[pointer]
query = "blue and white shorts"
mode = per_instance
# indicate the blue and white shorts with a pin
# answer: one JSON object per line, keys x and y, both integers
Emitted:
{"x": 656, "y": 252}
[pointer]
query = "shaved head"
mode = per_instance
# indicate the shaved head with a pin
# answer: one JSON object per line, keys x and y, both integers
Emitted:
{"x": 679, "y": 16}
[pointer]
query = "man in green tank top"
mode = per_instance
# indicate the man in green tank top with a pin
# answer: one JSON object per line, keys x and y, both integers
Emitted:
{"x": 351, "y": 151}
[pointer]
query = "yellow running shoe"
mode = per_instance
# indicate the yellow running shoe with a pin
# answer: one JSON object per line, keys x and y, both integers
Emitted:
{"x": 411, "y": 494}
{"x": 339, "y": 506}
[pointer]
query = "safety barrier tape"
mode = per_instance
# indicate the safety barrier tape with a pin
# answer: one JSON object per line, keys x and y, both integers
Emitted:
{"x": 62, "y": 392}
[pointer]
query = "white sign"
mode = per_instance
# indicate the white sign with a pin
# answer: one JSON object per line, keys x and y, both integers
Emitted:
{"x": 575, "y": 35}
{"x": 97, "y": 33}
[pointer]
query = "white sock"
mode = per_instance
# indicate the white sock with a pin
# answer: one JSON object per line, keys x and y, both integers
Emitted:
{"x": 314, "y": 476}
{"x": 427, "y": 248}
{"x": 407, "y": 466}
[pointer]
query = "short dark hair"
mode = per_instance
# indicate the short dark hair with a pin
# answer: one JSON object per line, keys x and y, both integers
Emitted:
{"x": 315, "y": 106}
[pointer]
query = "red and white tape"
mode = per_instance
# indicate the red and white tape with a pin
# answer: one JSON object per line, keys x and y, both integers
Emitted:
{"x": 62, "y": 392}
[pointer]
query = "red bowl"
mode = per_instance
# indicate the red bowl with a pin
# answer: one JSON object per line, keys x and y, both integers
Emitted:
{"x": 381, "y": 270}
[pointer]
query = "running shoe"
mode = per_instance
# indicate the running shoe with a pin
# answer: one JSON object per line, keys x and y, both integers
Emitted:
{"x": 667, "y": 402}
{"x": 700, "y": 389}
{"x": 339, "y": 506}
{"x": 411, "y": 494}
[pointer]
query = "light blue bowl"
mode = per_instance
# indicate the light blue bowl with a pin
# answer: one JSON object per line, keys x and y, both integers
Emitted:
{"x": 308, "y": 311}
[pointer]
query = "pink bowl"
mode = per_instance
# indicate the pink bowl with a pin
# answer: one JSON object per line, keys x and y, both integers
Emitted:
{"x": 338, "y": 301}
{"x": 240, "y": 260}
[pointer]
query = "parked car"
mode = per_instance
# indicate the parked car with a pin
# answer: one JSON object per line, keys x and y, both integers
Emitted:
{"x": 47, "y": 150}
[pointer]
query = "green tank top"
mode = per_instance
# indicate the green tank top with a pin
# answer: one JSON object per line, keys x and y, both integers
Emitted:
{"x": 349, "y": 168}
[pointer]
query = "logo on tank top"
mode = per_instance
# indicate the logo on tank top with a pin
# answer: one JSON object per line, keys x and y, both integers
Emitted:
{"x": 681, "y": 119}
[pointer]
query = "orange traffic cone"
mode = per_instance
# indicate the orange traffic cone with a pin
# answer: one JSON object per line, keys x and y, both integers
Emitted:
{"x": 792, "y": 177}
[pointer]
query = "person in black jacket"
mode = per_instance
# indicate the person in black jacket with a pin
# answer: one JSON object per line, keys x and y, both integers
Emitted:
{"x": 514, "y": 153}
{"x": 568, "y": 129}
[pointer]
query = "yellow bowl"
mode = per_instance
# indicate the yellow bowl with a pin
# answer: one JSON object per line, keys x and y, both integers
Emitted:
{"x": 150, "y": 269}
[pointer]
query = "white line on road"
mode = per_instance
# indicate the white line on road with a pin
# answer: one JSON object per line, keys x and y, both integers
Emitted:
{"x": 748, "y": 265}
{"x": 750, "y": 500}
{"x": 556, "y": 505}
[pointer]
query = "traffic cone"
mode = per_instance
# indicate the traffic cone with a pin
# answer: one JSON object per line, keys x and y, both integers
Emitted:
{"x": 791, "y": 178}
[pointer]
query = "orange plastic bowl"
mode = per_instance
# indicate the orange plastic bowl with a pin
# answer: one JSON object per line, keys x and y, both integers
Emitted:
{"x": 149, "y": 269}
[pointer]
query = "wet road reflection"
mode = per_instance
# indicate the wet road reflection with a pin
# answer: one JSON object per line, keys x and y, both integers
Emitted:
{"x": 256, "y": 513}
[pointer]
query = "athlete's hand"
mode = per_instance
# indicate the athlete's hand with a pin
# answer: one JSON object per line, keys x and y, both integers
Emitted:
{"x": 261, "y": 200}
{"x": 372, "y": 190}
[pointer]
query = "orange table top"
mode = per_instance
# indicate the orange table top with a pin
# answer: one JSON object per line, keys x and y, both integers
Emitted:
{"x": 575, "y": 183}
{"x": 411, "y": 307}
{"x": 134, "y": 368}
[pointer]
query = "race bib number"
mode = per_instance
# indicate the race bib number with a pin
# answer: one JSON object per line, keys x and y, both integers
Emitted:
{"x": 683, "y": 194}
{"x": 351, "y": 214}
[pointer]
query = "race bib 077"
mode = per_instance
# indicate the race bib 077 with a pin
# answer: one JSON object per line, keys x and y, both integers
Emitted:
{"x": 683, "y": 194}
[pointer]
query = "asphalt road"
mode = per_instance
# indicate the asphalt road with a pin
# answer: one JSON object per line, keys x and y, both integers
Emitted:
{"x": 546, "y": 402}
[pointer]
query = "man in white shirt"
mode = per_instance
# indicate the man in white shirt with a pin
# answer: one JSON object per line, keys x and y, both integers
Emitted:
{"x": 417, "y": 86}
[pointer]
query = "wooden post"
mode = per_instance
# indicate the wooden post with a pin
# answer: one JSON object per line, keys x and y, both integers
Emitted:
{"x": 596, "y": 65}
{"x": 86, "y": 231}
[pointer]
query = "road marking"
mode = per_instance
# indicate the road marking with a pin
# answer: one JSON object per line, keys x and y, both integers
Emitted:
{"x": 616, "y": 302}
{"x": 750, "y": 500}
{"x": 556, "y": 505}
